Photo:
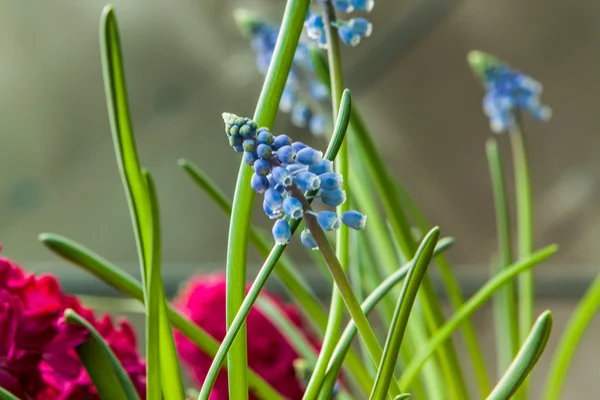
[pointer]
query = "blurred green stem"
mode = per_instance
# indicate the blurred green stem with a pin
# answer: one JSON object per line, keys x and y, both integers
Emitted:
{"x": 505, "y": 312}
{"x": 237, "y": 247}
{"x": 525, "y": 231}
{"x": 570, "y": 341}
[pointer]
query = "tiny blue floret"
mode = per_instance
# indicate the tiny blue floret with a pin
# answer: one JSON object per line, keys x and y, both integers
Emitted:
{"x": 270, "y": 213}
{"x": 308, "y": 240}
{"x": 249, "y": 145}
{"x": 363, "y": 5}
{"x": 264, "y": 151}
{"x": 333, "y": 198}
{"x": 297, "y": 146}
{"x": 261, "y": 167}
{"x": 281, "y": 141}
{"x": 281, "y": 176}
{"x": 321, "y": 168}
{"x": 259, "y": 183}
{"x": 328, "y": 220}
{"x": 274, "y": 200}
{"x": 309, "y": 156}
{"x": 331, "y": 180}
{"x": 292, "y": 207}
{"x": 286, "y": 155}
{"x": 264, "y": 136}
{"x": 281, "y": 231}
{"x": 307, "y": 181}
{"x": 355, "y": 220}
{"x": 249, "y": 158}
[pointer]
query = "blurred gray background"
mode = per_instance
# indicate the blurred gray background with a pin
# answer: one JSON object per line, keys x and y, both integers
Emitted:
{"x": 186, "y": 63}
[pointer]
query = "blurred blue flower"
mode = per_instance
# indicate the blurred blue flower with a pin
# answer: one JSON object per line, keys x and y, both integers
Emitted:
{"x": 284, "y": 164}
{"x": 304, "y": 96}
{"x": 508, "y": 91}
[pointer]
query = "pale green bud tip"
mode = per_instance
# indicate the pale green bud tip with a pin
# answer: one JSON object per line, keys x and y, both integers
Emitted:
{"x": 481, "y": 62}
{"x": 246, "y": 21}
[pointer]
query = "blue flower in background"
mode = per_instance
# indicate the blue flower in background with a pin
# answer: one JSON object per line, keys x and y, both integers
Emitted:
{"x": 281, "y": 165}
{"x": 508, "y": 92}
{"x": 304, "y": 96}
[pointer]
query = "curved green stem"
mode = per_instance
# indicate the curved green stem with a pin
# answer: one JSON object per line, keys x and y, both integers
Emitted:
{"x": 237, "y": 248}
{"x": 570, "y": 341}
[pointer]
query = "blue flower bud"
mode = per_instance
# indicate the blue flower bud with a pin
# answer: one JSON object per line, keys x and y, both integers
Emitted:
{"x": 286, "y": 155}
{"x": 270, "y": 213}
{"x": 249, "y": 158}
{"x": 238, "y": 149}
{"x": 297, "y": 146}
{"x": 281, "y": 141}
{"x": 292, "y": 207}
{"x": 261, "y": 167}
{"x": 363, "y": 5}
{"x": 235, "y": 140}
{"x": 264, "y": 151}
{"x": 248, "y": 130}
{"x": 281, "y": 176}
{"x": 274, "y": 200}
{"x": 300, "y": 114}
{"x": 328, "y": 220}
{"x": 333, "y": 198}
{"x": 264, "y": 136}
{"x": 331, "y": 180}
{"x": 281, "y": 231}
{"x": 315, "y": 27}
{"x": 249, "y": 145}
{"x": 309, "y": 156}
{"x": 348, "y": 36}
{"x": 355, "y": 220}
{"x": 344, "y": 6}
{"x": 259, "y": 183}
{"x": 361, "y": 26}
{"x": 321, "y": 168}
{"x": 307, "y": 181}
{"x": 308, "y": 240}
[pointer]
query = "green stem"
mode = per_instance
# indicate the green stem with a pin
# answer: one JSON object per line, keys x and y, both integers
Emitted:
{"x": 342, "y": 251}
{"x": 571, "y": 340}
{"x": 237, "y": 248}
{"x": 525, "y": 238}
{"x": 505, "y": 312}
{"x": 468, "y": 308}
{"x": 343, "y": 285}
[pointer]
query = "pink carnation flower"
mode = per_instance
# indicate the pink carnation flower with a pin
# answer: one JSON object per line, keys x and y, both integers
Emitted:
{"x": 37, "y": 356}
{"x": 269, "y": 354}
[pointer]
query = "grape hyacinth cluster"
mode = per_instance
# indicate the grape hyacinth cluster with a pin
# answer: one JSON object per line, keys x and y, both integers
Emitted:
{"x": 305, "y": 98}
{"x": 507, "y": 92}
{"x": 350, "y": 32}
{"x": 281, "y": 165}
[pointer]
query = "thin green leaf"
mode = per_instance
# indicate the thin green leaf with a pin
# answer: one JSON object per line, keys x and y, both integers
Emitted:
{"x": 104, "y": 369}
{"x": 580, "y": 319}
{"x": 505, "y": 311}
{"x": 402, "y": 396}
{"x": 470, "y": 306}
{"x": 368, "y": 305}
{"x": 526, "y": 358}
{"x": 128, "y": 285}
{"x": 160, "y": 343}
{"x": 6, "y": 395}
{"x": 408, "y": 295}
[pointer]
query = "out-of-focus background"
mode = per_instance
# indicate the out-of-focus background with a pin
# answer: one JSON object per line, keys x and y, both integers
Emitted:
{"x": 186, "y": 63}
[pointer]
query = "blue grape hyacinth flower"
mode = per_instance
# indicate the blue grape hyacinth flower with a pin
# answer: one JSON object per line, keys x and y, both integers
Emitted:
{"x": 508, "y": 92}
{"x": 288, "y": 166}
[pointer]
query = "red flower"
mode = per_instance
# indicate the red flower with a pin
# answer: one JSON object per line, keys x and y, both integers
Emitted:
{"x": 269, "y": 354}
{"x": 37, "y": 356}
